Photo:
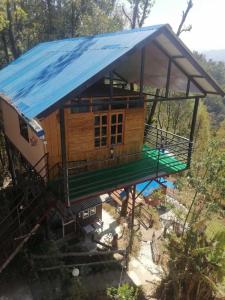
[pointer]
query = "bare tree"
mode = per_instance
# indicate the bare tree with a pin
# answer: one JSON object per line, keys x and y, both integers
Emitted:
{"x": 181, "y": 27}
{"x": 139, "y": 11}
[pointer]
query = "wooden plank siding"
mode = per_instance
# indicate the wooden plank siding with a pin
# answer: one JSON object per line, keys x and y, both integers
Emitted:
{"x": 80, "y": 135}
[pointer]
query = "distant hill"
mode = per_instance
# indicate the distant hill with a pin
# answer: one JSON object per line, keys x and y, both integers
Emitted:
{"x": 217, "y": 55}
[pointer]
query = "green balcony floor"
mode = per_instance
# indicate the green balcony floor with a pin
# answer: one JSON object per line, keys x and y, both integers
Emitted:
{"x": 108, "y": 179}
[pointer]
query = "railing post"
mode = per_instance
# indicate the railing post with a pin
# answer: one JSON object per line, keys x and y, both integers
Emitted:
{"x": 64, "y": 157}
{"x": 193, "y": 123}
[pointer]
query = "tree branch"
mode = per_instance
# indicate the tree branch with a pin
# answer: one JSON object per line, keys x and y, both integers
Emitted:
{"x": 184, "y": 16}
{"x": 126, "y": 15}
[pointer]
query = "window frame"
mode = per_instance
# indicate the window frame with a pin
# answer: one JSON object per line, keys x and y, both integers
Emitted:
{"x": 101, "y": 126}
{"x": 108, "y": 126}
{"x": 117, "y": 124}
{"x": 24, "y": 129}
{"x": 85, "y": 214}
{"x": 92, "y": 211}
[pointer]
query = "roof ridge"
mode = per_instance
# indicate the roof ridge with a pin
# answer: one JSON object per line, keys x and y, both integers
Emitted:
{"x": 145, "y": 28}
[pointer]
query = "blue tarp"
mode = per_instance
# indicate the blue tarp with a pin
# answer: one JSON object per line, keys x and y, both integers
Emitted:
{"x": 48, "y": 72}
{"x": 153, "y": 186}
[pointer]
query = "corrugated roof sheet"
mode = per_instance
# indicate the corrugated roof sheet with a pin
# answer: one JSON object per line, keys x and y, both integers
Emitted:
{"x": 51, "y": 70}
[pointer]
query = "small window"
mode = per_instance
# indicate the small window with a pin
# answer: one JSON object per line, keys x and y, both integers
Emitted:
{"x": 24, "y": 129}
{"x": 116, "y": 129}
{"x": 116, "y": 103}
{"x": 85, "y": 213}
{"x": 100, "y": 130}
{"x": 100, "y": 105}
{"x": 136, "y": 102}
{"x": 92, "y": 211}
{"x": 84, "y": 106}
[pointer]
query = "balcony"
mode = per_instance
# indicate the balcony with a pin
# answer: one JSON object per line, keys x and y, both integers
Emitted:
{"x": 163, "y": 153}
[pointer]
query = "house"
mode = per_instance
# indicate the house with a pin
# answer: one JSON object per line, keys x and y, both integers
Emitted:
{"x": 73, "y": 114}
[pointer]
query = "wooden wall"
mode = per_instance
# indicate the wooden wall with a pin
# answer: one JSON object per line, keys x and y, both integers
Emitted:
{"x": 80, "y": 135}
{"x": 32, "y": 152}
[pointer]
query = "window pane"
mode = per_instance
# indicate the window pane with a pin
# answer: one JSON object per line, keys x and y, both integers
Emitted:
{"x": 113, "y": 129}
{"x": 100, "y": 105}
{"x": 85, "y": 213}
{"x": 104, "y": 120}
{"x": 97, "y": 142}
{"x": 119, "y": 139}
{"x": 113, "y": 140}
{"x": 120, "y": 128}
{"x": 97, "y": 120}
{"x": 104, "y": 141}
{"x": 104, "y": 130}
{"x": 136, "y": 102}
{"x": 116, "y": 105}
{"x": 120, "y": 118}
{"x": 83, "y": 108}
{"x": 113, "y": 119}
{"x": 97, "y": 131}
{"x": 92, "y": 211}
{"x": 24, "y": 129}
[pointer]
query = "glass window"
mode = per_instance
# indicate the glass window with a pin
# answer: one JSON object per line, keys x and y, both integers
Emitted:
{"x": 120, "y": 118}
{"x": 113, "y": 129}
{"x": 92, "y": 211}
{"x": 104, "y": 130}
{"x": 113, "y": 135}
{"x": 97, "y": 120}
{"x": 113, "y": 140}
{"x": 100, "y": 130}
{"x": 113, "y": 119}
{"x": 85, "y": 213}
{"x": 84, "y": 106}
{"x": 104, "y": 120}
{"x": 136, "y": 102}
{"x": 119, "y": 139}
{"x": 116, "y": 105}
{"x": 100, "y": 105}
{"x": 24, "y": 129}
{"x": 116, "y": 128}
{"x": 97, "y": 142}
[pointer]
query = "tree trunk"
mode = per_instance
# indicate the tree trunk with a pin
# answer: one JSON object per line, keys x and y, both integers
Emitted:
{"x": 125, "y": 204}
{"x": 12, "y": 40}
{"x": 5, "y": 46}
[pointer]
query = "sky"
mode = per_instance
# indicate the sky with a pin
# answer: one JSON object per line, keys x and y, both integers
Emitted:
{"x": 207, "y": 18}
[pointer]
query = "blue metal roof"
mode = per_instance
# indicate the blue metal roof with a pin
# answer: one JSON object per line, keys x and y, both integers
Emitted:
{"x": 48, "y": 72}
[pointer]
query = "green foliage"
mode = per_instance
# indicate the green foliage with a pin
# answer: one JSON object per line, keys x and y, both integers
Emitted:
{"x": 124, "y": 292}
{"x": 196, "y": 266}
{"x": 215, "y": 105}
{"x": 23, "y": 23}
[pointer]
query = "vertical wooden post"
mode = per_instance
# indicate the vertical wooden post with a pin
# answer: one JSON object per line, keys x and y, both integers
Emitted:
{"x": 188, "y": 87}
{"x": 142, "y": 71}
{"x": 151, "y": 115}
{"x": 131, "y": 226}
{"x": 168, "y": 78}
{"x": 193, "y": 123}
{"x": 124, "y": 206}
{"x": 64, "y": 157}
{"x": 10, "y": 160}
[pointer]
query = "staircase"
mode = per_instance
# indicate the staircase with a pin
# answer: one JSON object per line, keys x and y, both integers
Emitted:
{"x": 27, "y": 210}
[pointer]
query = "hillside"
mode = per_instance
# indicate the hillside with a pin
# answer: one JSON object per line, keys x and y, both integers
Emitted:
{"x": 215, "y": 104}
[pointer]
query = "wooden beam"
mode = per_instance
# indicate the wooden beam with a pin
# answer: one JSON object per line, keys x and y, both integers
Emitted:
{"x": 142, "y": 71}
{"x": 80, "y": 265}
{"x": 80, "y": 254}
{"x": 192, "y": 132}
{"x": 168, "y": 77}
{"x": 155, "y": 101}
{"x": 64, "y": 157}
